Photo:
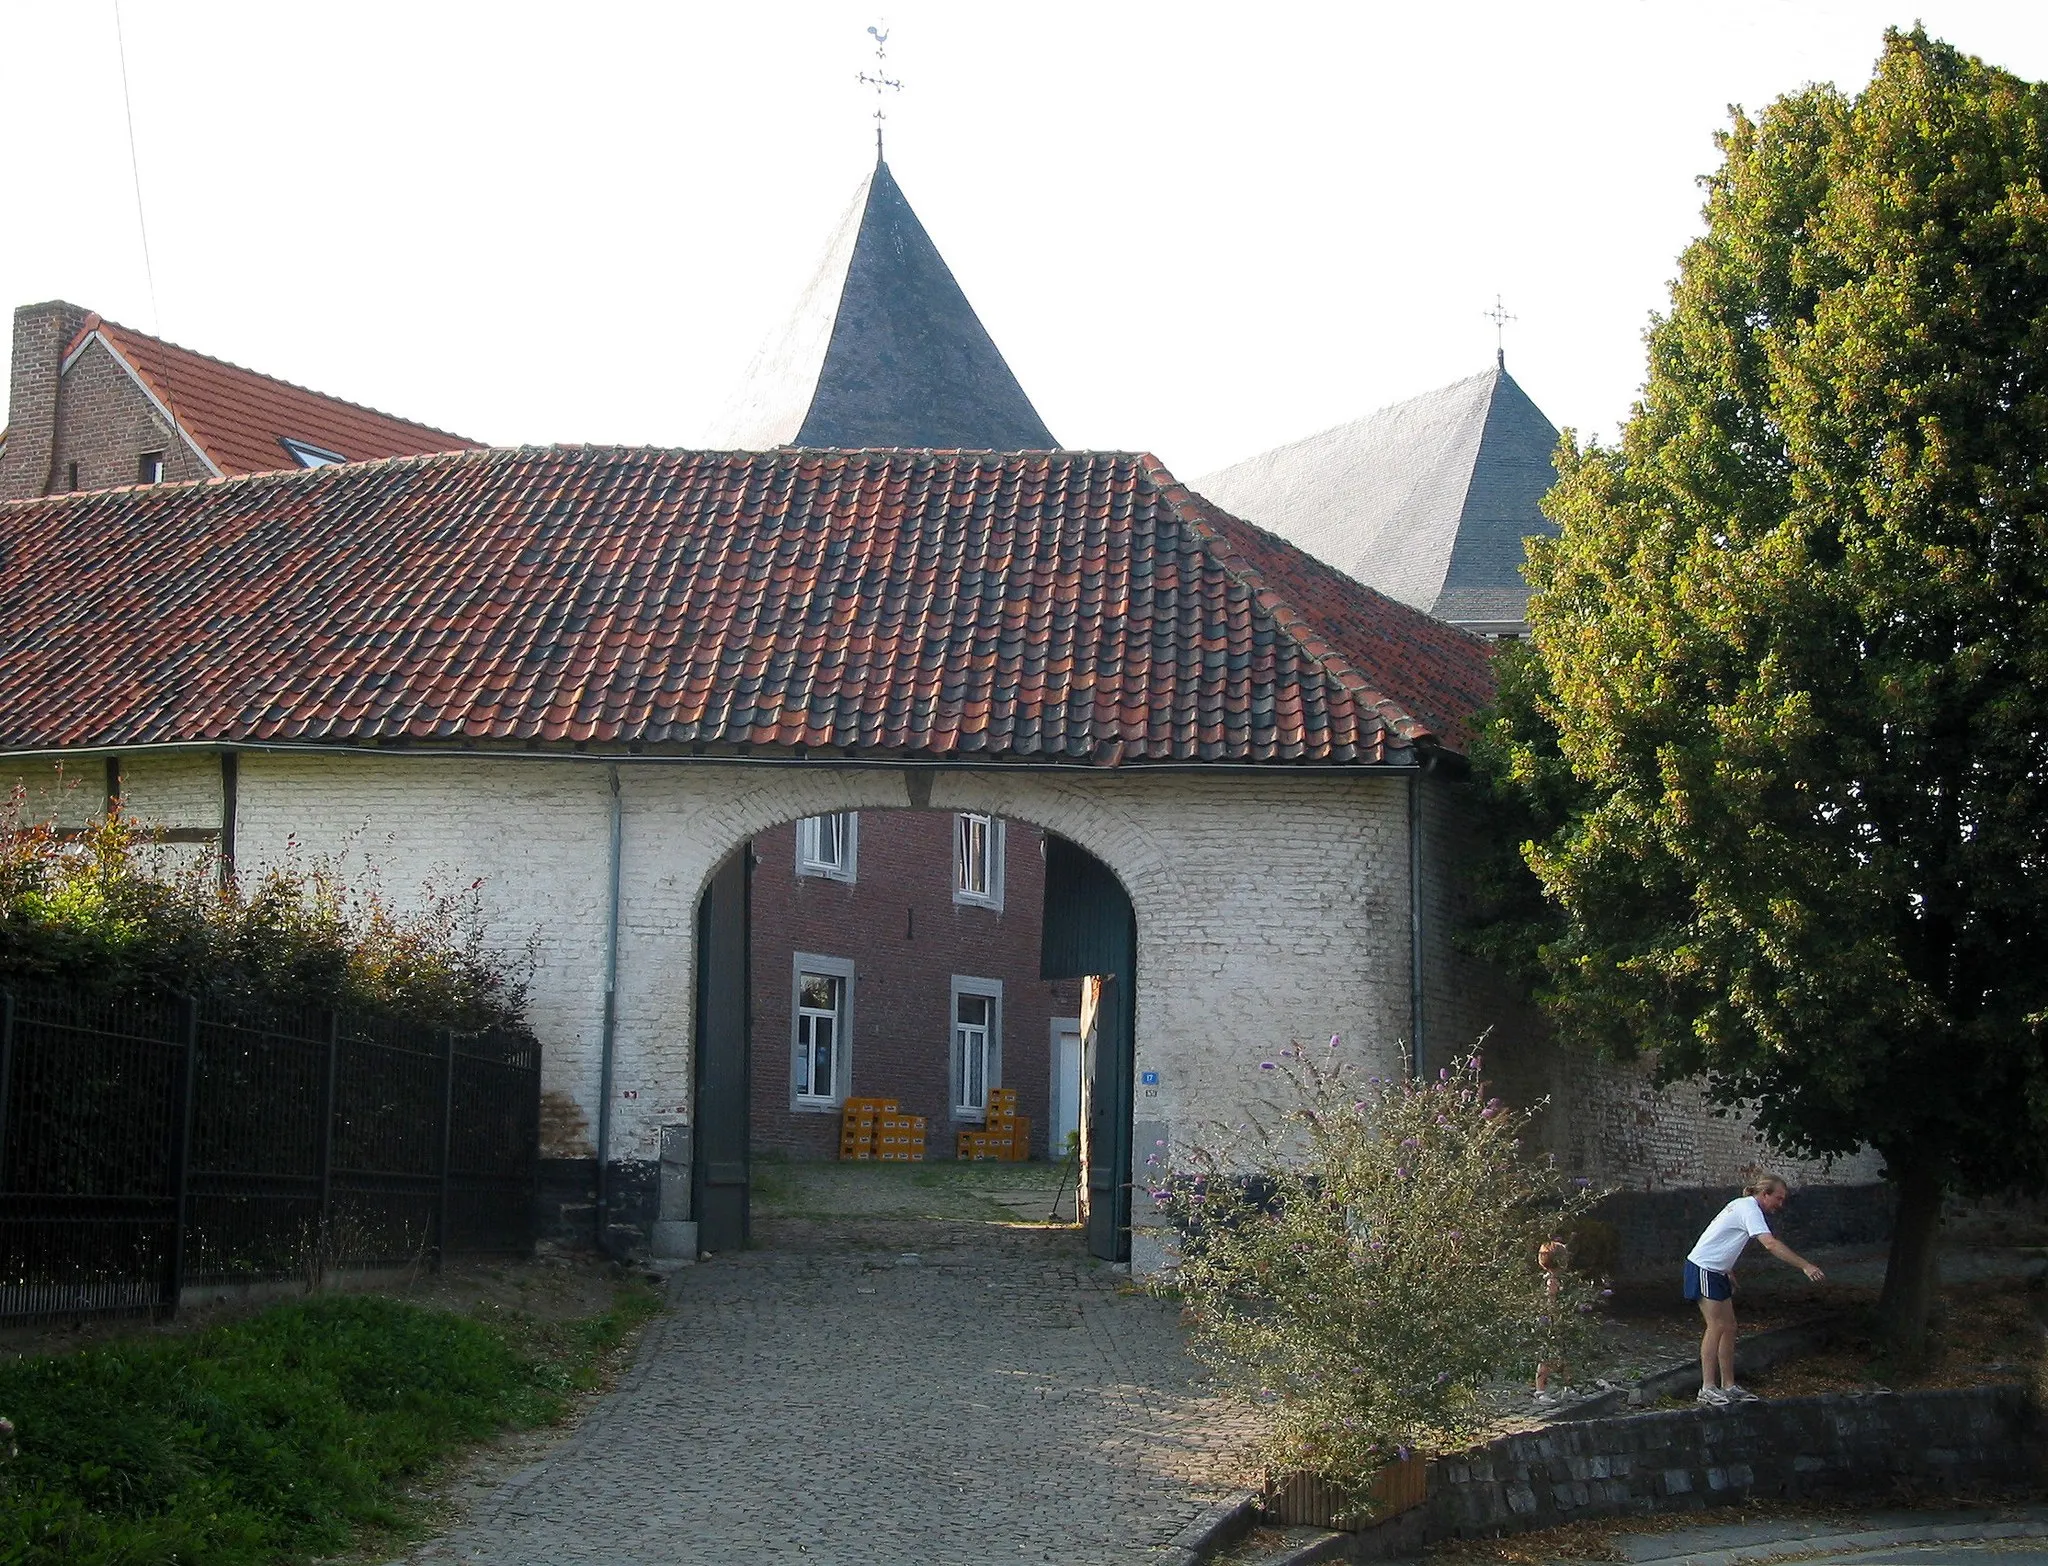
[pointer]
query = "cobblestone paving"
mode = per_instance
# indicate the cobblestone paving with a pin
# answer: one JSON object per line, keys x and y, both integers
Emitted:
{"x": 870, "y": 1390}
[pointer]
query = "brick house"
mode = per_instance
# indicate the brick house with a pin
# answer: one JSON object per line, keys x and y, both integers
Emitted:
{"x": 93, "y": 404}
{"x": 896, "y": 952}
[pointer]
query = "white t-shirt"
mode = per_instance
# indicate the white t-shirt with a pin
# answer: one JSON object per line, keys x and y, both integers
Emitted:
{"x": 1741, "y": 1221}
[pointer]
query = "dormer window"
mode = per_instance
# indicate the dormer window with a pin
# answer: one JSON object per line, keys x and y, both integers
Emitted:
{"x": 308, "y": 455}
{"x": 149, "y": 468}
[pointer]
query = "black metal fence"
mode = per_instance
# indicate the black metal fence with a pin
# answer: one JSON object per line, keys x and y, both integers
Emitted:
{"x": 146, "y": 1146}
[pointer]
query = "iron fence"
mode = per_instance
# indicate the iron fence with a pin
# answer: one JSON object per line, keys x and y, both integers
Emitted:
{"x": 148, "y": 1146}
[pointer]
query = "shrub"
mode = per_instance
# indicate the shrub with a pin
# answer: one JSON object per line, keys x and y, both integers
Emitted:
{"x": 1360, "y": 1266}
{"x": 111, "y": 907}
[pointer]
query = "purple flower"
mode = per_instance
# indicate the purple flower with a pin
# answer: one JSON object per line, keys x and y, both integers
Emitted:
{"x": 1402, "y": 1453}
{"x": 1410, "y": 1142}
{"x": 1457, "y": 1234}
{"x": 1333, "y": 1040}
{"x": 1265, "y": 1065}
{"x": 1400, "y": 1174}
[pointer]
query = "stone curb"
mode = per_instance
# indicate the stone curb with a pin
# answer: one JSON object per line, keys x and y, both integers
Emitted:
{"x": 1844, "y": 1543}
{"x": 1212, "y": 1531}
{"x": 1760, "y": 1351}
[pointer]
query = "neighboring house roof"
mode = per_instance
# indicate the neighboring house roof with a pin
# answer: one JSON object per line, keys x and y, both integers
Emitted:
{"x": 241, "y": 422}
{"x": 1054, "y": 607}
{"x": 1428, "y": 500}
{"x": 883, "y": 349}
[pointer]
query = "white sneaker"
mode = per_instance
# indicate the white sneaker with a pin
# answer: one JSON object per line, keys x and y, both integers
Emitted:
{"x": 1713, "y": 1397}
{"x": 1735, "y": 1394}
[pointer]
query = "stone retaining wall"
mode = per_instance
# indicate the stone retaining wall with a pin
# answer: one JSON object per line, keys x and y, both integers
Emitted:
{"x": 1837, "y": 1445}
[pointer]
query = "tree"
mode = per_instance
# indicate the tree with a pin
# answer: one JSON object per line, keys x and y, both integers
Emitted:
{"x": 1791, "y": 647}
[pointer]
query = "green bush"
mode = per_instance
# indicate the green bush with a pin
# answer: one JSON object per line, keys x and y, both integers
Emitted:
{"x": 1358, "y": 1267}
{"x": 277, "y": 1435}
{"x": 113, "y": 908}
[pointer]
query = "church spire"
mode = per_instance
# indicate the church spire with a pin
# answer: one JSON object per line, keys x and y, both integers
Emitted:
{"x": 883, "y": 349}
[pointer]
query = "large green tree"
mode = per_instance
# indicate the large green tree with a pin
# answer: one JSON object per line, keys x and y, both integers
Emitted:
{"x": 1782, "y": 742}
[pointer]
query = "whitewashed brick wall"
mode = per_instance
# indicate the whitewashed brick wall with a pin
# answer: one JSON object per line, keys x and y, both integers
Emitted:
{"x": 1272, "y": 909}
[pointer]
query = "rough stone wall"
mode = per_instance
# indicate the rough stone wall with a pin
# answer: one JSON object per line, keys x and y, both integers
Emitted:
{"x": 1810, "y": 1447}
{"x": 105, "y": 421}
{"x": 898, "y": 924}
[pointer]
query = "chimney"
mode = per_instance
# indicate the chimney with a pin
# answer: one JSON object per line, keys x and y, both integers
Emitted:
{"x": 41, "y": 334}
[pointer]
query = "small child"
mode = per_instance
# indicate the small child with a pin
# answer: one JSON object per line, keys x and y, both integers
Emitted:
{"x": 1552, "y": 1256}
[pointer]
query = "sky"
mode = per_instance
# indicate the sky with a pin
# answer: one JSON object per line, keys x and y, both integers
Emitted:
{"x": 1193, "y": 229}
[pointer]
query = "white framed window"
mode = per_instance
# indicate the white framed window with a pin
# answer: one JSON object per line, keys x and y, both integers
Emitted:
{"x": 977, "y": 1044}
{"x": 149, "y": 468}
{"x": 978, "y": 861}
{"x": 828, "y": 845}
{"x": 820, "y": 1031}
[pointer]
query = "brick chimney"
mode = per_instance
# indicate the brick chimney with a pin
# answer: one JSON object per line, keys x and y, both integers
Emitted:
{"x": 41, "y": 334}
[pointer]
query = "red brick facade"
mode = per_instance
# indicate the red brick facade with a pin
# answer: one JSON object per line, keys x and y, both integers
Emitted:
{"x": 94, "y": 405}
{"x": 906, "y": 938}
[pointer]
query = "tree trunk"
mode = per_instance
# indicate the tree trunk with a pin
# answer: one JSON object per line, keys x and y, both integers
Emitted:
{"x": 1913, "y": 1270}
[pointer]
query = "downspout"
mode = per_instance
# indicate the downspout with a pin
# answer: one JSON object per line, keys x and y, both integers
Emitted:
{"x": 1417, "y": 1036}
{"x": 611, "y": 1020}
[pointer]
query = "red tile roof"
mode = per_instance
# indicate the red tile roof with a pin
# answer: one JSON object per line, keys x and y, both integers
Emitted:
{"x": 1066, "y": 607}
{"x": 240, "y": 419}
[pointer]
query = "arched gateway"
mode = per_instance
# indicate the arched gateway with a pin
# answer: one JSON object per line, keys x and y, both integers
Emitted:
{"x": 586, "y": 678}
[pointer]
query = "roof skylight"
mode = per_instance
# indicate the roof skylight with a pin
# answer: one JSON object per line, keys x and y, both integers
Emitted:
{"x": 307, "y": 455}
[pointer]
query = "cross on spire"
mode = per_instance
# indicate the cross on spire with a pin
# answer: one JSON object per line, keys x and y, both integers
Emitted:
{"x": 1500, "y": 318}
{"x": 881, "y": 81}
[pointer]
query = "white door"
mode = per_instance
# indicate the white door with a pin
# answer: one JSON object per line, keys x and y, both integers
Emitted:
{"x": 1066, "y": 1083}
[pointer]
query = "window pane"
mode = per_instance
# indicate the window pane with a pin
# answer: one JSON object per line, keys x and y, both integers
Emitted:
{"x": 820, "y": 992}
{"x": 974, "y": 1009}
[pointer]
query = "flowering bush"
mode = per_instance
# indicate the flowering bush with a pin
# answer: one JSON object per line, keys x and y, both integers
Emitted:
{"x": 1362, "y": 1264}
{"x": 109, "y": 908}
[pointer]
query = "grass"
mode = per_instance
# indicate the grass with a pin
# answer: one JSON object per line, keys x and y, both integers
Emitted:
{"x": 294, "y": 1431}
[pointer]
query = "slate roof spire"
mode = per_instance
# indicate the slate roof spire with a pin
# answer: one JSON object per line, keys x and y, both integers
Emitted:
{"x": 883, "y": 349}
{"x": 1427, "y": 500}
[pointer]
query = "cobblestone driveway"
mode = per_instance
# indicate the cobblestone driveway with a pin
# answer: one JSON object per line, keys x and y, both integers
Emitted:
{"x": 867, "y": 1390}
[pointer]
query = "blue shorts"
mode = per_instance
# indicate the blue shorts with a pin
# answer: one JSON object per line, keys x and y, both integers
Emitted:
{"x": 1702, "y": 1284}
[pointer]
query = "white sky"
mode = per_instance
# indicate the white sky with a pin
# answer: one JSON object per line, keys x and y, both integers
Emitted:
{"x": 1192, "y": 228}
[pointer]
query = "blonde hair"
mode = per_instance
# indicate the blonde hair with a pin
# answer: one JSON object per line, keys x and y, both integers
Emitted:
{"x": 1763, "y": 1185}
{"x": 1552, "y": 1251}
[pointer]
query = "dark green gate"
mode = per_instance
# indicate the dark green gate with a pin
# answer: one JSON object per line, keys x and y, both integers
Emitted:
{"x": 719, "y": 1175}
{"x": 1091, "y": 932}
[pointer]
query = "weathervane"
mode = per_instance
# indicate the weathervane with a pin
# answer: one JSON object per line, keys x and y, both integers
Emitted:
{"x": 881, "y": 81}
{"x": 1500, "y": 318}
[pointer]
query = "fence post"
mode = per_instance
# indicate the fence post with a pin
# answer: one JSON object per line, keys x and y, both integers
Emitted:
{"x": 6, "y": 1074}
{"x": 324, "y": 1229}
{"x": 181, "y": 1152}
{"x": 447, "y": 1144}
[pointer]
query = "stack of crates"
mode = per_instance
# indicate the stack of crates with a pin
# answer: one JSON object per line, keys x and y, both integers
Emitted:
{"x": 899, "y": 1138}
{"x": 1005, "y": 1135}
{"x": 860, "y": 1126}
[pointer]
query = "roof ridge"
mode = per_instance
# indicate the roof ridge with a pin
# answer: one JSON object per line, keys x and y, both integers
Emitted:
{"x": 95, "y": 322}
{"x": 1298, "y": 626}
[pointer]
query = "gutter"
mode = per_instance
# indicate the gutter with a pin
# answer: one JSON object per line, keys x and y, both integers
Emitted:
{"x": 1405, "y": 764}
{"x": 611, "y": 1021}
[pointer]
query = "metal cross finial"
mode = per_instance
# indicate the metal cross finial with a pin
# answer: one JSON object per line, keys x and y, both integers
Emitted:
{"x": 881, "y": 81}
{"x": 1500, "y": 318}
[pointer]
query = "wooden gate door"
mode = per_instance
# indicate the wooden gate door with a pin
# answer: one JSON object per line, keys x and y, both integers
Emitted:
{"x": 1090, "y": 933}
{"x": 719, "y": 1178}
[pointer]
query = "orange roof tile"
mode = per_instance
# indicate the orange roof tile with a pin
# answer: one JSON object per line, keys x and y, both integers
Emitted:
{"x": 241, "y": 419}
{"x": 1074, "y": 607}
